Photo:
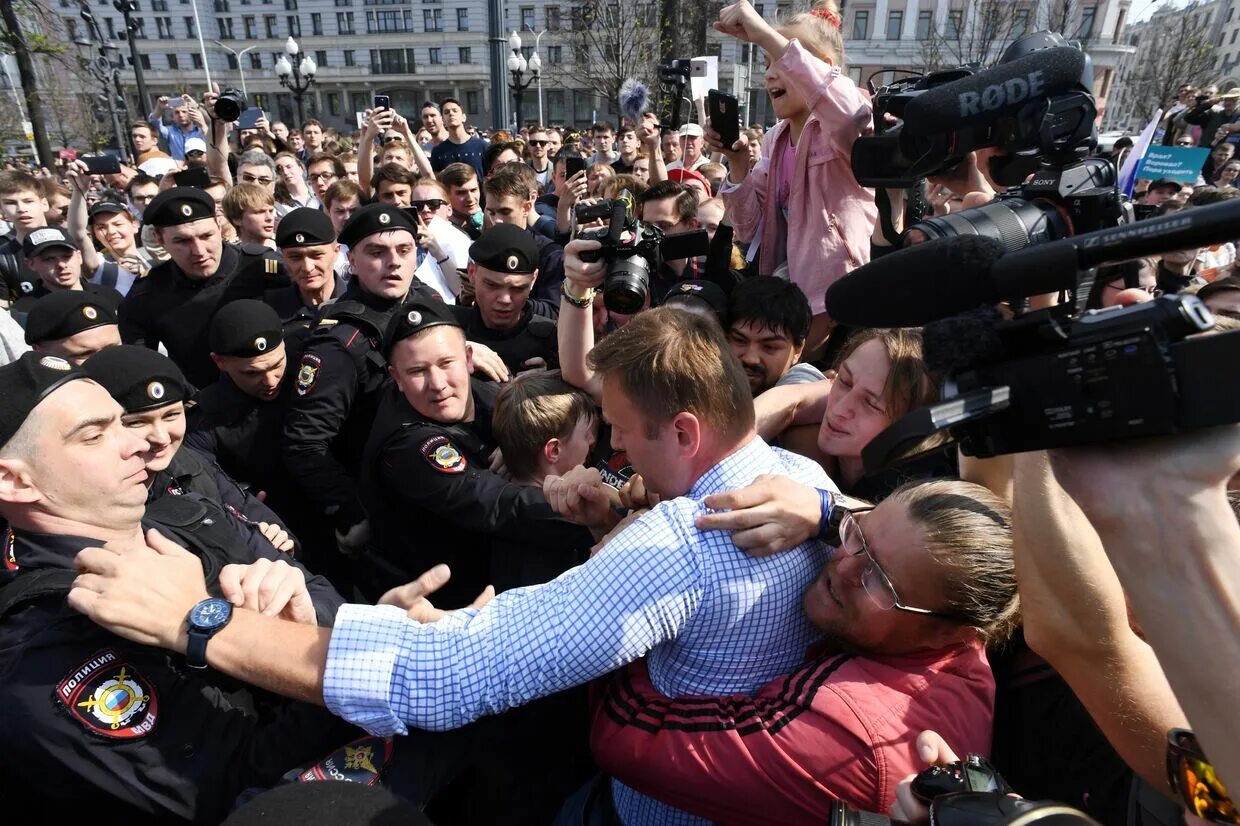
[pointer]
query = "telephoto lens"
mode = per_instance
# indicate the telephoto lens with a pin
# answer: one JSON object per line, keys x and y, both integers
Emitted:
{"x": 229, "y": 105}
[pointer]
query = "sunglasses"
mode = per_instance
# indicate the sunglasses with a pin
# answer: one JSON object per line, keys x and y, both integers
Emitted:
{"x": 431, "y": 203}
{"x": 539, "y": 143}
{"x": 1195, "y": 781}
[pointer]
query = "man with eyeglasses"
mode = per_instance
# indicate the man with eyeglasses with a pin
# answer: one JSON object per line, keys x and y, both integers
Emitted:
{"x": 540, "y": 160}
{"x": 443, "y": 250}
{"x": 323, "y": 170}
{"x": 255, "y": 167}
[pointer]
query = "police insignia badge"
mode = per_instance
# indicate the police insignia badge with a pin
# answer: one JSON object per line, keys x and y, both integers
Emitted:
{"x": 308, "y": 373}
{"x": 260, "y": 344}
{"x": 55, "y": 363}
{"x": 10, "y": 551}
{"x": 513, "y": 262}
{"x": 362, "y": 761}
{"x": 187, "y": 210}
{"x": 90, "y": 312}
{"x": 155, "y": 390}
{"x": 109, "y": 698}
{"x": 442, "y": 456}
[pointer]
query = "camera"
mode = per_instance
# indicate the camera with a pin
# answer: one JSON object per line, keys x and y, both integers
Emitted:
{"x": 675, "y": 73}
{"x": 229, "y": 105}
{"x": 970, "y": 792}
{"x": 632, "y": 249}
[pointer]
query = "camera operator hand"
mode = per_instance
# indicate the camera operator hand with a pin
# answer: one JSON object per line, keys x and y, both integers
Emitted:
{"x": 575, "y": 189}
{"x": 933, "y": 751}
{"x": 583, "y": 275}
{"x": 737, "y": 154}
{"x": 967, "y": 179}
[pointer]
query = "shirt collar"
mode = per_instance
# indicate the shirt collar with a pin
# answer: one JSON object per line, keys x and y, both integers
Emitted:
{"x": 42, "y": 550}
{"x": 735, "y": 470}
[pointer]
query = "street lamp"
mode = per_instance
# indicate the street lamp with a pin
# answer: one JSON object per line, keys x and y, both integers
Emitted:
{"x": 237, "y": 57}
{"x": 132, "y": 27}
{"x": 296, "y": 73}
{"x": 517, "y": 67}
{"x": 105, "y": 68}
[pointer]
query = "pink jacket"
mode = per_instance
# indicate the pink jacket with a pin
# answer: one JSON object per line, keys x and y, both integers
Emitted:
{"x": 830, "y": 215}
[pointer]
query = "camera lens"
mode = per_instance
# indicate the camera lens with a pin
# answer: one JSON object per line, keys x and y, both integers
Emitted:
{"x": 1014, "y": 222}
{"x": 627, "y": 285}
{"x": 229, "y": 104}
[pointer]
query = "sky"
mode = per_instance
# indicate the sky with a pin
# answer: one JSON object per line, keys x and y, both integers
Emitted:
{"x": 1142, "y": 9}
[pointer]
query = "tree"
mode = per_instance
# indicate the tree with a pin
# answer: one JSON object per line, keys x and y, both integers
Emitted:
{"x": 979, "y": 31}
{"x": 1178, "y": 50}
{"x": 24, "y": 44}
{"x": 610, "y": 43}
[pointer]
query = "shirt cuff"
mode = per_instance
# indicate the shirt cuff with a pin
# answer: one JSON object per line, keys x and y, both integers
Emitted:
{"x": 727, "y": 187}
{"x": 361, "y": 663}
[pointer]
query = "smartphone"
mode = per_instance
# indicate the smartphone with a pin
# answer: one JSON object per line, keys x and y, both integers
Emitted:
{"x": 383, "y": 102}
{"x": 724, "y": 114}
{"x": 102, "y": 164}
{"x": 572, "y": 166}
{"x": 250, "y": 117}
{"x": 699, "y": 67}
{"x": 198, "y": 177}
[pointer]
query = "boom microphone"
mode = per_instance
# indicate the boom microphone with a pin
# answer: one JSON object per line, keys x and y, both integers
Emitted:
{"x": 634, "y": 100}
{"x": 947, "y": 276}
{"x": 998, "y": 92}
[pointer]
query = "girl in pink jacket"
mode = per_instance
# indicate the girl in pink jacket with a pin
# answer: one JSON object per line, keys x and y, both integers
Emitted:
{"x": 801, "y": 204}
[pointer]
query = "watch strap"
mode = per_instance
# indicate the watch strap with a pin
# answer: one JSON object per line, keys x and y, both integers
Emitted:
{"x": 196, "y": 649}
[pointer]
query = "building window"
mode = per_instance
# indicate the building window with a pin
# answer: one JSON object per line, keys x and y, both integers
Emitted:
{"x": 392, "y": 61}
{"x": 190, "y": 30}
{"x": 462, "y": 20}
{"x": 110, "y": 25}
{"x": 555, "y": 105}
{"x": 269, "y": 26}
{"x": 432, "y": 19}
{"x": 471, "y": 103}
{"x": 344, "y": 22}
{"x": 289, "y": 5}
{"x": 527, "y": 18}
{"x": 248, "y": 23}
{"x": 923, "y": 25}
{"x": 196, "y": 59}
{"x": 555, "y": 55}
{"x": 145, "y": 60}
{"x": 159, "y": 5}
{"x": 463, "y": 55}
{"x": 139, "y": 28}
{"x": 294, "y": 25}
{"x": 172, "y": 62}
{"x": 435, "y": 58}
{"x": 340, "y": 3}
{"x": 360, "y": 101}
{"x": 226, "y": 29}
{"x": 230, "y": 60}
{"x": 895, "y": 21}
{"x": 316, "y": 23}
{"x": 161, "y": 25}
{"x": 320, "y": 57}
{"x": 854, "y": 74}
{"x": 955, "y": 22}
{"x": 256, "y": 60}
{"x": 1086, "y": 30}
{"x": 553, "y": 18}
{"x": 349, "y": 59}
{"x": 1020, "y": 23}
{"x": 861, "y": 24}
{"x": 333, "y": 103}
{"x": 1234, "y": 32}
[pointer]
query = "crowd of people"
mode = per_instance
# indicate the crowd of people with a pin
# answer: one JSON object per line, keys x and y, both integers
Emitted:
{"x": 369, "y": 459}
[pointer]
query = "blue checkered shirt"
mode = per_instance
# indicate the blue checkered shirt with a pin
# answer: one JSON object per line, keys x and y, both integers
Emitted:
{"x": 710, "y": 618}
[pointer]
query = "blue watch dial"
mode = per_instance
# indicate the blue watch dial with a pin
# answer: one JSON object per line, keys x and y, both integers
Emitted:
{"x": 210, "y": 614}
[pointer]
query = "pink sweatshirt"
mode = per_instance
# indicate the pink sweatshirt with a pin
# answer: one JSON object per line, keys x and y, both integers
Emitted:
{"x": 830, "y": 215}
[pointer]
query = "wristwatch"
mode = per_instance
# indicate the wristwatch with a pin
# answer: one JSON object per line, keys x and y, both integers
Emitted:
{"x": 581, "y": 302}
{"x": 205, "y": 620}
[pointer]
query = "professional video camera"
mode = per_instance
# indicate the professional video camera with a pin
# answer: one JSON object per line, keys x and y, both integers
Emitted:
{"x": 969, "y": 792}
{"x": 1036, "y": 107}
{"x": 632, "y": 249}
{"x": 1051, "y": 378}
{"x": 229, "y": 105}
{"x": 675, "y": 73}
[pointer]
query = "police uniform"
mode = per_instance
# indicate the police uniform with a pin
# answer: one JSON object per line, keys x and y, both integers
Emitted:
{"x": 141, "y": 380}
{"x": 95, "y": 725}
{"x": 337, "y": 382}
{"x": 242, "y": 433}
{"x": 510, "y": 250}
{"x": 37, "y": 242}
{"x": 303, "y": 227}
{"x": 431, "y": 495}
{"x": 170, "y": 308}
{"x": 60, "y": 315}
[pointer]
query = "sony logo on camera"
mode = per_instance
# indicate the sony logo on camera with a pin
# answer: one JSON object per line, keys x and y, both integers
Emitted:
{"x": 1012, "y": 90}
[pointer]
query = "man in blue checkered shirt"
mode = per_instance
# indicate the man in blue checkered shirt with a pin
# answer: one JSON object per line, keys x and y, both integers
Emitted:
{"x": 709, "y": 618}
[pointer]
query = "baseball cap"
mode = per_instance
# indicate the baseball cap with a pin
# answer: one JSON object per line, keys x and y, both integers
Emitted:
{"x": 691, "y": 130}
{"x": 195, "y": 145}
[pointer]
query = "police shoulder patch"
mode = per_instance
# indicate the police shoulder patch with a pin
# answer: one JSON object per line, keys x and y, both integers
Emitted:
{"x": 362, "y": 761}
{"x": 443, "y": 455}
{"x": 109, "y": 698}
{"x": 308, "y": 373}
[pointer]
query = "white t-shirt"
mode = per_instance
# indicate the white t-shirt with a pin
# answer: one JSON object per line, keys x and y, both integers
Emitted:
{"x": 445, "y": 279}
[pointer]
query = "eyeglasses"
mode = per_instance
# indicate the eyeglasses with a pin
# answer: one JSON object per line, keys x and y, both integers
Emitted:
{"x": 539, "y": 143}
{"x": 254, "y": 179}
{"x": 431, "y": 203}
{"x": 874, "y": 579}
{"x": 323, "y": 176}
{"x": 393, "y": 139}
{"x": 1193, "y": 778}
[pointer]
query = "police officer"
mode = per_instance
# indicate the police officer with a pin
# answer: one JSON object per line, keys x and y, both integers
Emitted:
{"x": 53, "y": 256}
{"x": 72, "y": 324}
{"x": 95, "y": 725}
{"x": 503, "y": 266}
{"x": 239, "y": 419}
{"x": 152, "y": 391}
{"x": 175, "y": 303}
{"x": 307, "y": 242}
{"x": 426, "y": 477}
{"x": 336, "y": 386}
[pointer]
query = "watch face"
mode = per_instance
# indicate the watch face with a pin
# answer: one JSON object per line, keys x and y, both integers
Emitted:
{"x": 210, "y": 614}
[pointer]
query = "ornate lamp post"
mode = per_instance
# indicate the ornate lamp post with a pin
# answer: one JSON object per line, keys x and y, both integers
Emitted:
{"x": 296, "y": 73}
{"x": 519, "y": 67}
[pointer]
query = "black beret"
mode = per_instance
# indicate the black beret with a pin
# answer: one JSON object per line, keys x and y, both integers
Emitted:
{"x": 26, "y": 382}
{"x": 179, "y": 205}
{"x": 245, "y": 328}
{"x": 507, "y": 249}
{"x": 305, "y": 227}
{"x": 708, "y": 292}
{"x": 414, "y": 317}
{"x": 45, "y": 238}
{"x": 66, "y": 313}
{"x": 139, "y": 379}
{"x": 372, "y": 219}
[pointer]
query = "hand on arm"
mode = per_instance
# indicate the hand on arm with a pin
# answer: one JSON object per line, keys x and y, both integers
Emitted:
{"x": 773, "y": 514}
{"x": 488, "y": 363}
{"x": 793, "y": 404}
{"x": 574, "y": 190}
{"x": 575, "y": 327}
{"x": 376, "y": 122}
{"x": 275, "y": 589}
{"x": 583, "y": 497}
{"x": 412, "y": 596}
{"x": 420, "y": 160}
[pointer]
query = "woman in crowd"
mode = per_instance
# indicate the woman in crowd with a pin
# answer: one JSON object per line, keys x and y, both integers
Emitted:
{"x": 292, "y": 190}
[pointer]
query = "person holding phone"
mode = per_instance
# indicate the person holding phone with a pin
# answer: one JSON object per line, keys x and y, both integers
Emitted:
{"x": 123, "y": 260}
{"x": 184, "y": 126}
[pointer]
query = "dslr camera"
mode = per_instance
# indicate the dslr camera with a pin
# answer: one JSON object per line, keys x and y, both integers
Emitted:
{"x": 632, "y": 249}
{"x": 229, "y": 105}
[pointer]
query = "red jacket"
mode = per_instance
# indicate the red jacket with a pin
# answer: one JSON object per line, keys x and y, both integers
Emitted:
{"x": 840, "y": 728}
